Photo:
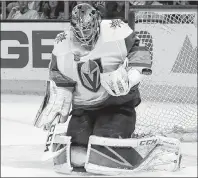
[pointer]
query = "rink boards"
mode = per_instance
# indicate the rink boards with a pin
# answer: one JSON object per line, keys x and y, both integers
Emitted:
{"x": 26, "y": 48}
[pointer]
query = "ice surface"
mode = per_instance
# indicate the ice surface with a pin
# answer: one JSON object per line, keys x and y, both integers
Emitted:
{"x": 22, "y": 144}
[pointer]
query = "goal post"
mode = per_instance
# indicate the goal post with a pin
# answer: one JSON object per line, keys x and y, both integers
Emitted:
{"x": 169, "y": 95}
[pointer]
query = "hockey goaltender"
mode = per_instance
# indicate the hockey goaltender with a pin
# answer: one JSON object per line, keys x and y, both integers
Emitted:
{"x": 89, "y": 106}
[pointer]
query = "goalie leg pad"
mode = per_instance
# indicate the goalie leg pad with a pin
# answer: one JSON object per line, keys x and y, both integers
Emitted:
{"x": 66, "y": 156}
{"x": 126, "y": 156}
{"x": 71, "y": 158}
{"x": 62, "y": 163}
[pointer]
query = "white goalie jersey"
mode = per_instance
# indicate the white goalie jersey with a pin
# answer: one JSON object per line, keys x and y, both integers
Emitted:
{"x": 115, "y": 43}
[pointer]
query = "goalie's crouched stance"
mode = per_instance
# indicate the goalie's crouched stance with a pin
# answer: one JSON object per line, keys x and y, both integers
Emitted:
{"x": 100, "y": 141}
{"x": 98, "y": 77}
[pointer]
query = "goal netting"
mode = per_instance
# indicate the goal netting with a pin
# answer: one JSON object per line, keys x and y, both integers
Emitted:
{"x": 169, "y": 95}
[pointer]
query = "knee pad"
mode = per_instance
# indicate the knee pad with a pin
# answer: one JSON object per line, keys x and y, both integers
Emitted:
{"x": 113, "y": 156}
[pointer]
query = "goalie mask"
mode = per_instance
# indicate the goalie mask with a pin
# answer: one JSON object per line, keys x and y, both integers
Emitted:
{"x": 85, "y": 25}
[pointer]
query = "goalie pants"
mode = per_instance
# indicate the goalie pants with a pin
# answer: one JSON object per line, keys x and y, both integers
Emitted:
{"x": 111, "y": 121}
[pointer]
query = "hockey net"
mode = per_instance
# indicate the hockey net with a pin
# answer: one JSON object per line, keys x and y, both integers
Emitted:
{"x": 169, "y": 95}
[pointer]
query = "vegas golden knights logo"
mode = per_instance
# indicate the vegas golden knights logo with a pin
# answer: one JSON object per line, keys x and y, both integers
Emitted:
{"x": 89, "y": 74}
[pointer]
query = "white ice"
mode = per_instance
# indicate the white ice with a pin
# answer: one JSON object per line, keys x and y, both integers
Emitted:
{"x": 22, "y": 144}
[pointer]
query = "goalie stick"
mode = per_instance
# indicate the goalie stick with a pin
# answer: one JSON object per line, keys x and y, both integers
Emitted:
{"x": 53, "y": 147}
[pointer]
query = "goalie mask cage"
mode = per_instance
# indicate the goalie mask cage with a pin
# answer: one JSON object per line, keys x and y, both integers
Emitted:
{"x": 169, "y": 95}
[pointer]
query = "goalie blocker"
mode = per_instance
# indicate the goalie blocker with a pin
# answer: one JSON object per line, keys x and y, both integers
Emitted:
{"x": 112, "y": 156}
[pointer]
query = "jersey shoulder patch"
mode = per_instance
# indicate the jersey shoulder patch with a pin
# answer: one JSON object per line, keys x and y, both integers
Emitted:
{"x": 114, "y": 30}
{"x": 60, "y": 37}
{"x": 61, "y": 44}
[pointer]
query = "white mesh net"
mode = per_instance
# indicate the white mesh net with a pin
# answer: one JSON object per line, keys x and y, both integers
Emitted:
{"x": 169, "y": 95}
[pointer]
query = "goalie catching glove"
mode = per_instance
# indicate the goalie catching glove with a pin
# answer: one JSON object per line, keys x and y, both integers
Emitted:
{"x": 120, "y": 81}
